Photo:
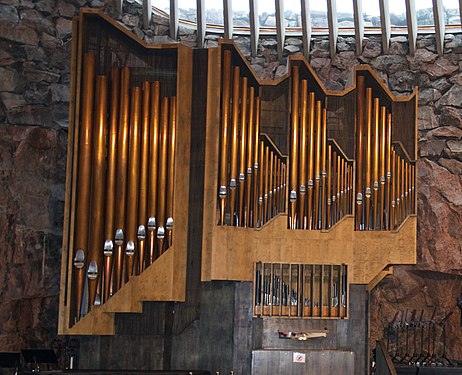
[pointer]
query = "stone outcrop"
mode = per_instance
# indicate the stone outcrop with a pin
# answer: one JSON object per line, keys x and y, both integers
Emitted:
{"x": 34, "y": 95}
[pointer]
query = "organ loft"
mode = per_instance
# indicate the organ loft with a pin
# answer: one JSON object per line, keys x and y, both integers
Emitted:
{"x": 193, "y": 187}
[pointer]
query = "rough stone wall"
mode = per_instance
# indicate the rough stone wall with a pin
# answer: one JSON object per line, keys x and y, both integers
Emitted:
{"x": 35, "y": 43}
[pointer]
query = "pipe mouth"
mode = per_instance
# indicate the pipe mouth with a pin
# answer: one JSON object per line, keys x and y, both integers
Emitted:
{"x": 169, "y": 223}
{"x": 222, "y": 192}
{"x": 79, "y": 260}
{"x": 119, "y": 237}
{"x": 160, "y": 232}
{"x": 108, "y": 248}
{"x": 92, "y": 272}
{"x": 141, "y": 232}
{"x": 130, "y": 248}
{"x": 151, "y": 224}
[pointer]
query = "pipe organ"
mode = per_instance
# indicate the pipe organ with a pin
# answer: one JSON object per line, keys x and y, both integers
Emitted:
{"x": 302, "y": 186}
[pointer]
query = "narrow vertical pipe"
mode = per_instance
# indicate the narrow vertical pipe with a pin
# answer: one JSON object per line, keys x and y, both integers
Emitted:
{"x": 375, "y": 183}
{"x": 317, "y": 171}
{"x": 323, "y": 169}
{"x": 172, "y": 124}
{"x": 329, "y": 186}
{"x": 294, "y": 147}
{"x": 266, "y": 186}
{"x": 111, "y": 181}
{"x": 361, "y": 93}
{"x": 162, "y": 174}
{"x": 303, "y": 155}
{"x": 393, "y": 190}
{"x": 261, "y": 182}
{"x": 225, "y": 99}
{"x": 242, "y": 154}
{"x": 339, "y": 186}
{"x": 83, "y": 178}
{"x": 98, "y": 183}
{"x": 256, "y": 159}
{"x": 153, "y": 168}
{"x": 234, "y": 145}
{"x": 133, "y": 181}
{"x": 121, "y": 185}
{"x": 249, "y": 159}
{"x": 389, "y": 175}
{"x": 334, "y": 187}
{"x": 270, "y": 185}
{"x": 383, "y": 139}
{"x": 311, "y": 160}
{"x": 402, "y": 191}
{"x": 144, "y": 172}
{"x": 368, "y": 191}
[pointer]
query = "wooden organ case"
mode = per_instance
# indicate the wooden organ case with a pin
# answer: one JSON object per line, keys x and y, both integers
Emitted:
{"x": 306, "y": 191}
{"x": 127, "y": 175}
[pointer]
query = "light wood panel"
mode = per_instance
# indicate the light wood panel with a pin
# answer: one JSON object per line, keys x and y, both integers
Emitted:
{"x": 235, "y": 250}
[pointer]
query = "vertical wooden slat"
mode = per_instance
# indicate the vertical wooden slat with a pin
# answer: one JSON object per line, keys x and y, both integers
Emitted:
{"x": 280, "y": 28}
{"x": 201, "y": 22}
{"x": 228, "y": 18}
{"x": 174, "y": 19}
{"x": 147, "y": 13}
{"x": 306, "y": 27}
{"x": 254, "y": 26}
{"x": 359, "y": 25}
{"x": 438, "y": 15}
{"x": 385, "y": 24}
{"x": 412, "y": 30}
{"x": 333, "y": 26}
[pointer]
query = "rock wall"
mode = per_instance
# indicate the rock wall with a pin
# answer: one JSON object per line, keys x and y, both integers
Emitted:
{"x": 35, "y": 40}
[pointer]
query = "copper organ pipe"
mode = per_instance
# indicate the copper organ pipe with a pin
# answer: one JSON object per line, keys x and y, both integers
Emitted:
{"x": 294, "y": 147}
{"x": 375, "y": 183}
{"x": 383, "y": 138}
{"x": 368, "y": 192}
{"x": 171, "y": 170}
{"x": 360, "y": 151}
{"x": 133, "y": 181}
{"x": 334, "y": 187}
{"x": 303, "y": 155}
{"x": 242, "y": 161}
{"x": 234, "y": 145}
{"x": 83, "y": 178}
{"x": 323, "y": 168}
{"x": 311, "y": 161}
{"x": 261, "y": 183}
{"x": 121, "y": 180}
{"x": 97, "y": 198}
{"x": 153, "y": 168}
{"x": 144, "y": 173}
{"x": 413, "y": 189}
{"x": 339, "y": 187}
{"x": 249, "y": 170}
{"x": 270, "y": 185}
{"x": 388, "y": 176}
{"x": 256, "y": 150}
{"x": 111, "y": 181}
{"x": 162, "y": 174}
{"x": 275, "y": 180}
{"x": 393, "y": 190}
{"x": 266, "y": 186}
{"x": 342, "y": 187}
{"x": 225, "y": 99}
{"x": 317, "y": 172}
{"x": 403, "y": 200}
{"x": 329, "y": 186}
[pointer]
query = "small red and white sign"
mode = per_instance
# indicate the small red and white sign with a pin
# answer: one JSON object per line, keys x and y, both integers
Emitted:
{"x": 299, "y": 357}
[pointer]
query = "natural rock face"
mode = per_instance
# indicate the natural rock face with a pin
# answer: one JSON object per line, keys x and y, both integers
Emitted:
{"x": 34, "y": 95}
